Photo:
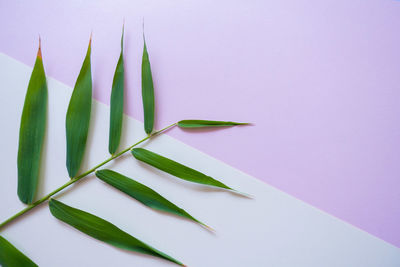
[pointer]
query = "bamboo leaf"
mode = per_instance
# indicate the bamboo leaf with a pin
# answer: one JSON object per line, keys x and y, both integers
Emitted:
{"x": 78, "y": 116}
{"x": 147, "y": 91}
{"x": 143, "y": 194}
{"x": 102, "y": 230}
{"x": 10, "y": 256}
{"x": 205, "y": 123}
{"x": 32, "y": 131}
{"x": 175, "y": 168}
{"x": 117, "y": 102}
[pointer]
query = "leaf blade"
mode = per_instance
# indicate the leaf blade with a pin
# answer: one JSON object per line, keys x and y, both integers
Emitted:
{"x": 175, "y": 168}
{"x": 147, "y": 91}
{"x": 103, "y": 230}
{"x": 32, "y": 132}
{"x": 117, "y": 103}
{"x": 10, "y": 256}
{"x": 78, "y": 116}
{"x": 207, "y": 123}
{"x": 142, "y": 193}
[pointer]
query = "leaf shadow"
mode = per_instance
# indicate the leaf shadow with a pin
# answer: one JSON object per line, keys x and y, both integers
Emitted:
{"x": 113, "y": 247}
{"x": 117, "y": 191}
{"x": 44, "y": 156}
{"x": 150, "y": 257}
{"x": 187, "y": 184}
{"x": 90, "y": 138}
{"x": 116, "y": 161}
{"x": 81, "y": 182}
{"x": 125, "y": 134}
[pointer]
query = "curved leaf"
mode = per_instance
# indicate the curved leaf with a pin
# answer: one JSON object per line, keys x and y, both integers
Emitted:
{"x": 175, "y": 168}
{"x": 10, "y": 256}
{"x": 147, "y": 91}
{"x": 102, "y": 230}
{"x": 142, "y": 193}
{"x": 31, "y": 133}
{"x": 117, "y": 102}
{"x": 205, "y": 123}
{"x": 78, "y": 116}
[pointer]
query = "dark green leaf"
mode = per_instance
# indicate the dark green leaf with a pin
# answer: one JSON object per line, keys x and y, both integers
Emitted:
{"x": 102, "y": 230}
{"x": 147, "y": 91}
{"x": 204, "y": 123}
{"x": 117, "y": 102}
{"x": 10, "y": 256}
{"x": 142, "y": 193}
{"x": 175, "y": 168}
{"x": 31, "y": 133}
{"x": 78, "y": 116}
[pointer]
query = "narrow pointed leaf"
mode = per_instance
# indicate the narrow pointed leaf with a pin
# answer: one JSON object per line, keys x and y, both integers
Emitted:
{"x": 117, "y": 103}
{"x": 31, "y": 133}
{"x": 102, "y": 230}
{"x": 142, "y": 193}
{"x": 175, "y": 168}
{"x": 147, "y": 91}
{"x": 205, "y": 123}
{"x": 10, "y": 256}
{"x": 78, "y": 116}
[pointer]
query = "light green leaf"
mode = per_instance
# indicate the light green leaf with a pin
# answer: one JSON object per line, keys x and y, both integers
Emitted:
{"x": 175, "y": 168}
{"x": 10, "y": 256}
{"x": 31, "y": 132}
{"x": 205, "y": 123}
{"x": 143, "y": 194}
{"x": 102, "y": 230}
{"x": 78, "y": 116}
{"x": 117, "y": 102}
{"x": 147, "y": 91}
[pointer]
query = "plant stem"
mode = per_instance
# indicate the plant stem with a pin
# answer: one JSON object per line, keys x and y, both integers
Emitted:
{"x": 79, "y": 177}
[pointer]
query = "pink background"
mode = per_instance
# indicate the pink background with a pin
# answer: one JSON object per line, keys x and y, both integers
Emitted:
{"x": 320, "y": 80}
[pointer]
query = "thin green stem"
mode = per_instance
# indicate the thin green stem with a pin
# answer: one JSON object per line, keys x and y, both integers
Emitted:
{"x": 79, "y": 177}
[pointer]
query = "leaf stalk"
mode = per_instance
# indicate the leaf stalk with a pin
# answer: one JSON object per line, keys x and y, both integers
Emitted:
{"x": 79, "y": 177}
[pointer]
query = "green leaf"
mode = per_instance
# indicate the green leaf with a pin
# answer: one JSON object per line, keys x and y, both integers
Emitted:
{"x": 147, "y": 91}
{"x": 10, "y": 256}
{"x": 78, "y": 116}
{"x": 102, "y": 230}
{"x": 143, "y": 194}
{"x": 205, "y": 123}
{"x": 117, "y": 102}
{"x": 31, "y": 133}
{"x": 175, "y": 168}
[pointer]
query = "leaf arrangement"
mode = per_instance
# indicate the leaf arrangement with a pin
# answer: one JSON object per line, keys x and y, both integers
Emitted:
{"x": 31, "y": 136}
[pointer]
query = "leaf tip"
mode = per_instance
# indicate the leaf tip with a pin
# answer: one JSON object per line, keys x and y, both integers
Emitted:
{"x": 242, "y": 194}
{"x": 123, "y": 31}
{"x": 39, "y": 53}
{"x": 144, "y": 37}
{"x": 209, "y": 228}
{"x": 90, "y": 40}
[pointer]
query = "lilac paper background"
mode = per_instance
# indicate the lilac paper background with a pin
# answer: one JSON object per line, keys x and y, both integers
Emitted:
{"x": 320, "y": 79}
